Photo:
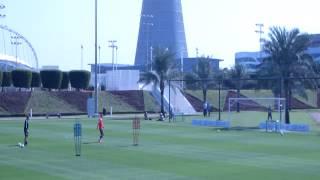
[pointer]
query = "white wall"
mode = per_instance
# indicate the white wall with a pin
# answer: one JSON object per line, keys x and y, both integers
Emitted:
{"x": 118, "y": 80}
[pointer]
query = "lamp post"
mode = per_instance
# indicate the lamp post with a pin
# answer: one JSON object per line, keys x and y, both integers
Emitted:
{"x": 15, "y": 41}
{"x": 81, "y": 57}
{"x": 95, "y": 57}
{"x": 117, "y": 81}
{"x": 113, "y": 46}
{"x": 260, "y": 32}
{"x": 117, "y": 58}
{"x": 99, "y": 71}
{"x": 197, "y": 52}
{"x": 2, "y": 7}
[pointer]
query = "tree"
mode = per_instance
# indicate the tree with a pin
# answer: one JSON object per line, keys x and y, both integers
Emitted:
{"x": 236, "y": 73}
{"x": 163, "y": 71}
{"x": 202, "y": 76}
{"x": 287, "y": 59}
{"x": 21, "y": 78}
{"x": 79, "y": 79}
{"x": 51, "y": 79}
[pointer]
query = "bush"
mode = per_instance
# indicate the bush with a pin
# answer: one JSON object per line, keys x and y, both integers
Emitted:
{"x": 21, "y": 78}
{"x": 79, "y": 79}
{"x": 90, "y": 88}
{"x": 65, "y": 80}
{"x": 103, "y": 87}
{"x": 36, "y": 81}
{"x": 51, "y": 79}
{"x": 6, "y": 79}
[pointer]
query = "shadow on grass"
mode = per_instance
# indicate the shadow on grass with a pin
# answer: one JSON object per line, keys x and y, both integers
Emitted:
{"x": 14, "y": 146}
{"x": 92, "y": 142}
{"x": 238, "y": 128}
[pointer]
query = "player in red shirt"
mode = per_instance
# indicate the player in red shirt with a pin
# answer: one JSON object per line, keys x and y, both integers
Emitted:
{"x": 100, "y": 126}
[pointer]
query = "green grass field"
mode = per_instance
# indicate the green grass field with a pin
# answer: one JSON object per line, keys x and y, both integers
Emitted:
{"x": 166, "y": 151}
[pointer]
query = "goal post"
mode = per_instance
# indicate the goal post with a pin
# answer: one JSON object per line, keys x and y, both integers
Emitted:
{"x": 255, "y": 112}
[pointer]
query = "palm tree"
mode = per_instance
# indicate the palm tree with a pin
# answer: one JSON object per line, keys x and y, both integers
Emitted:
{"x": 202, "y": 76}
{"x": 287, "y": 59}
{"x": 163, "y": 71}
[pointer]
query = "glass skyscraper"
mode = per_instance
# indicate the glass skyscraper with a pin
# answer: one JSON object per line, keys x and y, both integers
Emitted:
{"x": 161, "y": 26}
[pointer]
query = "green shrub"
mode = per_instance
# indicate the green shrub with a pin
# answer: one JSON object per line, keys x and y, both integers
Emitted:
{"x": 6, "y": 79}
{"x": 90, "y": 88}
{"x": 36, "y": 80}
{"x": 51, "y": 79}
{"x": 21, "y": 78}
{"x": 103, "y": 87}
{"x": 79, "y": 79}
{"x": 65, "y": 80}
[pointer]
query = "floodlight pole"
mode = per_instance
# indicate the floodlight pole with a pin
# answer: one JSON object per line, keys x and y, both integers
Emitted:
{"x": 2, "y": 7}
{"x": 16, "y": 42}
{"x": 260, "y": 32}
{"x": 99, "y": 70}
{"x": 113, "y": 46}
{"x": 219, "y": 100}
{"x": 96, "y": 58}
{"x": 169, "y": 101}
{"x": 81, "y": 57}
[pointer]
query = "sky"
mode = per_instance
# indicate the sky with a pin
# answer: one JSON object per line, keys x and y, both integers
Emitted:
{"x": 218, "y": 28}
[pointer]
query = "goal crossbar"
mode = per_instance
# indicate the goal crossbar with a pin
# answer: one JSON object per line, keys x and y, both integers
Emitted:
{"x": 279, "y": 100}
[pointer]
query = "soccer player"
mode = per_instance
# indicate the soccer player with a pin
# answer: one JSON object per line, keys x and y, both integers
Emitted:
{"x": 269, "y": 113}
{"x": 26, "y": 130}
{"x": 100, "y": 126}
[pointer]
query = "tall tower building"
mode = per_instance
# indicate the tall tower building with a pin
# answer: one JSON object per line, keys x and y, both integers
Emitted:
{"x": 161, "y": 26}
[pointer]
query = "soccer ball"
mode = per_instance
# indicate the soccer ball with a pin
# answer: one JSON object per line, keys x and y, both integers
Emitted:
{"x": 21, "y": 145}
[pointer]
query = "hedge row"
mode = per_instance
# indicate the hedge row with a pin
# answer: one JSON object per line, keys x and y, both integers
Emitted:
{"x": 50, "y": 79}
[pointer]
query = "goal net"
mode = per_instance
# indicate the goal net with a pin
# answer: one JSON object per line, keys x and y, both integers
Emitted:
{"x": 256, "y": 113}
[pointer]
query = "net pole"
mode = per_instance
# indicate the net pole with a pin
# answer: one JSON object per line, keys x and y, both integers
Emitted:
{"x": 135, "y": 131}
{"x": 77, "y": 138}
{"x": 170, "y": 101}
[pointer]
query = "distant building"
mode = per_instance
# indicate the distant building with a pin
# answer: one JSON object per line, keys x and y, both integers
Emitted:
{"x": 53, "y": 67}
{"x": 190, "y": 63}
{"x": 251, "y": 60}
{"x": 161, "y": 26}
{"x": 105, "y": 67}
{"x": 314, "y": 47}
{"x": 9, "y": 63}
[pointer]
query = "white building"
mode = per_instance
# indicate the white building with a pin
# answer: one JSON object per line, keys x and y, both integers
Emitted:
{"x": 8, "y": 63}
{"x": 117, "y": 80}
{"x": 249, "y": 60}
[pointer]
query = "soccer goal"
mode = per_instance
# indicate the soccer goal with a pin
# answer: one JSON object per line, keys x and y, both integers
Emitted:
{"x": 256, "y": 113}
